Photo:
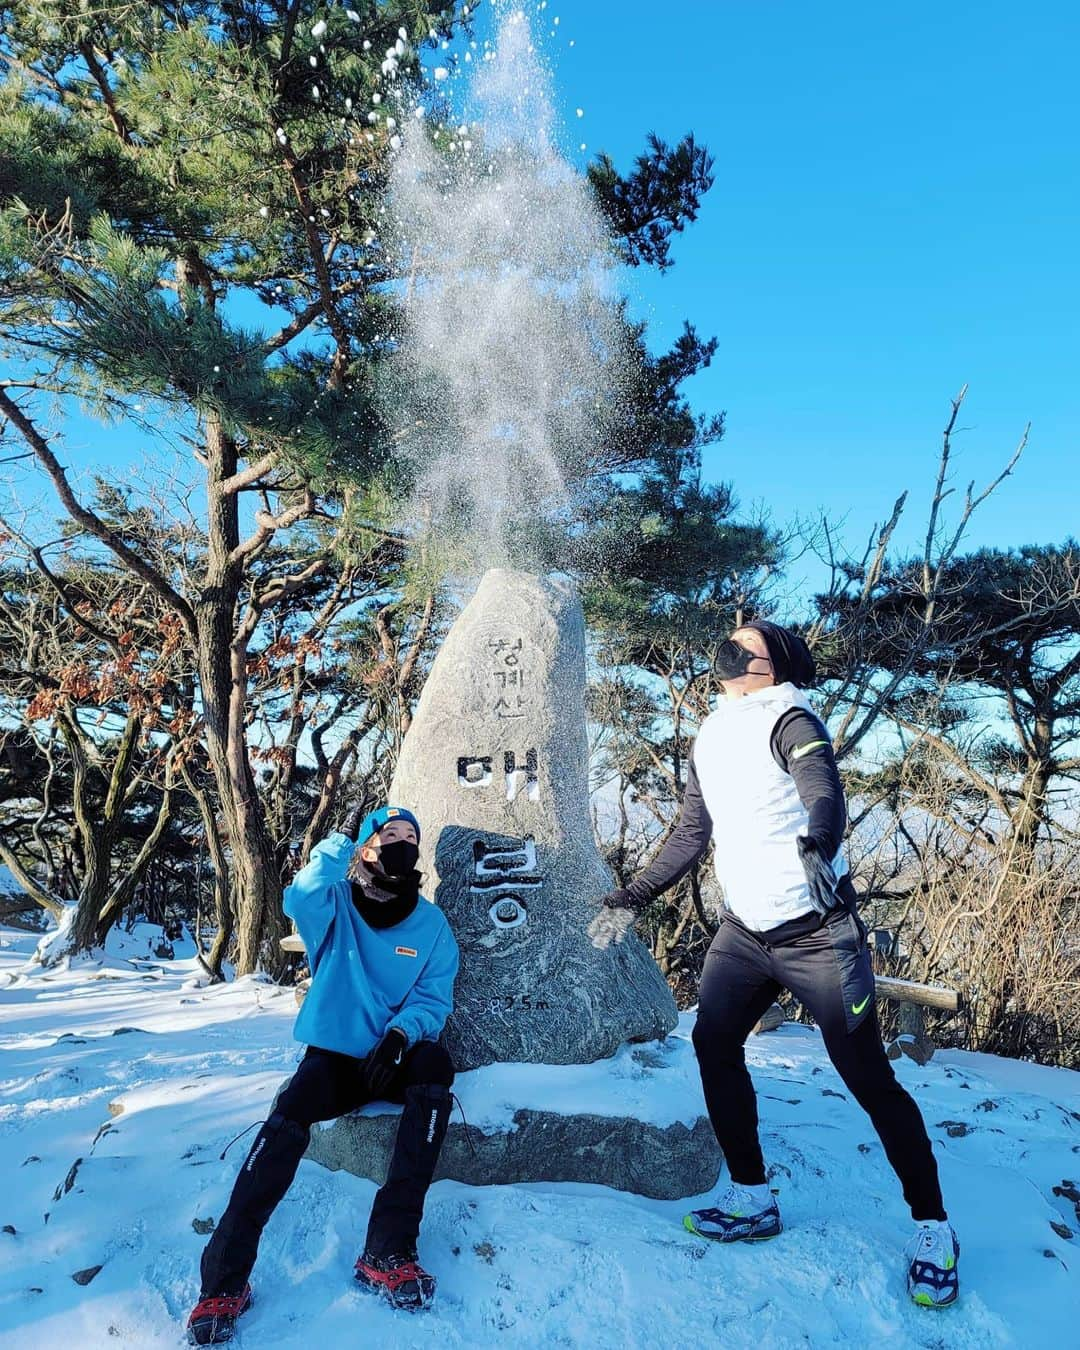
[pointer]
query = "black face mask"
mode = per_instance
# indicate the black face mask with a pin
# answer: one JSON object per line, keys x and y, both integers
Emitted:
{"x": 731, "y": 660}
{"x": 397, "y": 859}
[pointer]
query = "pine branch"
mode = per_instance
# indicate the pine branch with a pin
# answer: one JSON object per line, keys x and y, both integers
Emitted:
{"x": 46, "y": 81}
{"x": 268, "y": 525}
{"x": 62, "y": 592}
{"x": 283, "y": 587}
{"x": 954, "y": 757}
{"x": 97, "y": 71}
{"x": 319, "y": 264}
{"x": 249, "y": 476}
{"x": 307, "y": 316}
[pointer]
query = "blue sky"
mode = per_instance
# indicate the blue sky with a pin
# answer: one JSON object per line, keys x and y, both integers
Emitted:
{"x": 896, "y": 213}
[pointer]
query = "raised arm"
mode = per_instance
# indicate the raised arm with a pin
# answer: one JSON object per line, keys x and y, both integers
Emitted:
{"x": 682, "y": 849}
{"x": 309, "y": 897}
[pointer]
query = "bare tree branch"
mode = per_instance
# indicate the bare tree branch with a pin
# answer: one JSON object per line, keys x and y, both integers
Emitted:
{"x": 91, "y": 522}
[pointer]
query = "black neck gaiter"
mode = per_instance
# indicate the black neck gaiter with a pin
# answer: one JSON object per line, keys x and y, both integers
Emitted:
{"x": 381, "y": 900}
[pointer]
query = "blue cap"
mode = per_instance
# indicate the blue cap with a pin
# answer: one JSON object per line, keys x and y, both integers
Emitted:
{"x": 377, "y": 819}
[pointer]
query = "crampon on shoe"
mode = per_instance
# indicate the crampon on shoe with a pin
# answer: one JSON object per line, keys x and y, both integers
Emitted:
{"x": 213, "y": 1320}
{"x": 737, "y": 1217}
{"x": 933, "y": 1280}
{"x": 399, "y": 1278}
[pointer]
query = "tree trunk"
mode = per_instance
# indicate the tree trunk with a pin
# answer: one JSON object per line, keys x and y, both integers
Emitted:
{"x": 222, "y": 661}
{"x": 1031, "y": 813}
{"x": 96, "y": 836}
{"x": 223, "y": 911}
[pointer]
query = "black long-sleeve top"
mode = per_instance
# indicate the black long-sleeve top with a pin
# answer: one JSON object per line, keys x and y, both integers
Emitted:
{"x": 801, "y": 746}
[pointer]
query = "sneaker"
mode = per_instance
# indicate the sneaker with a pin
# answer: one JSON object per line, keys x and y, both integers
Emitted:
{"x": 213, "y": 1320}
{"x": 932, "y": 1254}
{"x": 399, "y": 1278}
{"x": 739, "y": 1216}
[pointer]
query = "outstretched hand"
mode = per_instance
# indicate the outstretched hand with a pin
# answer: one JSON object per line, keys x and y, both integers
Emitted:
{"x": 351, "y": 824}
{"x": 615, "y": 919}
{"x": 610, "y": 925}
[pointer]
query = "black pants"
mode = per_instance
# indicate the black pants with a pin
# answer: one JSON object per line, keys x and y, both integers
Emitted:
{"x": 327, "y": 1085}
{"x": 828, "y": 969}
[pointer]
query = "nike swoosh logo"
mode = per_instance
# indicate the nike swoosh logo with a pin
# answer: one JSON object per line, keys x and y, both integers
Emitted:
{"x": 857, "y": 1008}
{"x": 805, "y": 749}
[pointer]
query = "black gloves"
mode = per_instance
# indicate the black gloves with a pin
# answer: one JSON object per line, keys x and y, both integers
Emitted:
{"x": 624, "y": 899}
{"x": 380, "y": 1067}
{"x": 820, "y": 876}
{"x": 351, "y": 824}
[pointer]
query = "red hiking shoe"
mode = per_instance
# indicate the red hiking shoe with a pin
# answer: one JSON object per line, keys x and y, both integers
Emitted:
{"x": 399, "y": 1278}
{"x": 213, "y": 1320}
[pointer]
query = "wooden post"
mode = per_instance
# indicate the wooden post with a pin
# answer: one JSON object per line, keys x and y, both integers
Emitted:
{"x": 293, "y": 942}
{"x": 911, "y": 1039}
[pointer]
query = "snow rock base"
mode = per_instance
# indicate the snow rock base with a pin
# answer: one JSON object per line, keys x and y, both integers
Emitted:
{"x": 634, "y": 1122}
{"x": 661, "y": 1162}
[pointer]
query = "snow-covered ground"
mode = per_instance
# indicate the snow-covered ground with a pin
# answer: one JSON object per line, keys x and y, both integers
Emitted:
{"x": 121, "y": 1083}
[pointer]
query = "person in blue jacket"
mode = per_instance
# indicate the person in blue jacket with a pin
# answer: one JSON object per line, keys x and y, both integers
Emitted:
{"x": 383, "y": 962}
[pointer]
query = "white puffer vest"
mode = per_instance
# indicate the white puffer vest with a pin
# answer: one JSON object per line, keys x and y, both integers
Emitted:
{"x": 755, "y": 808}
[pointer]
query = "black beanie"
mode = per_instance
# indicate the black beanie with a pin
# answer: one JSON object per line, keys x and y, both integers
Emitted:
{"x": 789, "y": 654}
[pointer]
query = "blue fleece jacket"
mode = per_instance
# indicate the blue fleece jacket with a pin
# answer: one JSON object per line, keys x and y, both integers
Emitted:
{"x": 366, "y": 980}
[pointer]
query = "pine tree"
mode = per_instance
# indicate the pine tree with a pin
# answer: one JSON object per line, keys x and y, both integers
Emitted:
{"x": 191, "y": 240}
{"x": 170, "y": 173}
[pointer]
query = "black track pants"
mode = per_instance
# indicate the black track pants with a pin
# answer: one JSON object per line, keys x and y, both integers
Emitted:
{"x": 327, "y": 1085}
{"x": 828, "y": 969}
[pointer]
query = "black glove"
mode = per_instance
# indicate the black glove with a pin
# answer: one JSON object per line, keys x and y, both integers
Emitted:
{"x": 623, "y": 899}
{"x": 820, "y": 876}
{"x": 351, "y": 824}
{"x": 381, "y": 1066}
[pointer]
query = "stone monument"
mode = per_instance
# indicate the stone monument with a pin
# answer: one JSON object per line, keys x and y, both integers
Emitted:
{"x": 495, "y": 766}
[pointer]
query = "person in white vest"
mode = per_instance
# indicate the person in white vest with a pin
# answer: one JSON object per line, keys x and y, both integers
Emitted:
{"x": 762, "y": 784}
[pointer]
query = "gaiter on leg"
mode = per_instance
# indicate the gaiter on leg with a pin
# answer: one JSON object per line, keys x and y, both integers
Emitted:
{"x": 266, "y": 1175}
{"x": 399, "y": 1203}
